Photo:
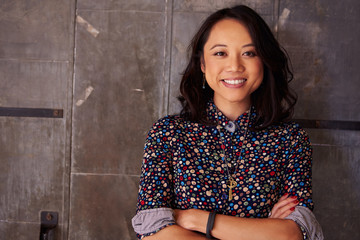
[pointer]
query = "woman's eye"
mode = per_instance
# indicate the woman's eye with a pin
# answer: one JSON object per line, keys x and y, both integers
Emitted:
{"x": 249, "y": 54}
{"x": 220, "y": 54}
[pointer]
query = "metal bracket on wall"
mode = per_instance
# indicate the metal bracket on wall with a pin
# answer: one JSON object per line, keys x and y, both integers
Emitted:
{"x": 31, "y": 112}
{"x": 49, "y": 221}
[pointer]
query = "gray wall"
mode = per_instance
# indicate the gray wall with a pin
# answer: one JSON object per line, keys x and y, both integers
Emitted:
{"x": 113, "y": 67}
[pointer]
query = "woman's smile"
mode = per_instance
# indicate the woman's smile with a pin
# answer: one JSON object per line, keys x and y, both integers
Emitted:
{"x": 234, "y": 83}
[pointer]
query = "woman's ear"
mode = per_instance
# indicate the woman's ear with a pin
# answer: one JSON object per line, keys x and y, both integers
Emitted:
{"x": 202, "y": 64}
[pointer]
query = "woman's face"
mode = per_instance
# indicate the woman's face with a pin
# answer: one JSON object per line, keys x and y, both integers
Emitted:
{"x": 231, "y": 65}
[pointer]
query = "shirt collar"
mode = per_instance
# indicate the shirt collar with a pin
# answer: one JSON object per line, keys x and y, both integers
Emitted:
{"x": 214, "y": 114}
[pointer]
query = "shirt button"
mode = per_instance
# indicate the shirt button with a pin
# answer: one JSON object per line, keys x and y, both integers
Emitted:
{"x": 230, "y": 126}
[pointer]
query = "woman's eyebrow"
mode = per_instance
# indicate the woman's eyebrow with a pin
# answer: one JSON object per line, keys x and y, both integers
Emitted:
{"x": 223, "y": 45}
{"x": 248, "y": 45}
{"x": 218, "y": 45}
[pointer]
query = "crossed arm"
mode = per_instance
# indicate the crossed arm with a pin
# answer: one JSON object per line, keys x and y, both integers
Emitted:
{"x": 191, "y": 225}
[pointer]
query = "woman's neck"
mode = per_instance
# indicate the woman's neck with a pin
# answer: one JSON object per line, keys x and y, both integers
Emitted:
{"x": 233, "y": 110}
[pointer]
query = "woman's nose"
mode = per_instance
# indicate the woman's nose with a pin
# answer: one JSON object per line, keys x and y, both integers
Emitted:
{"x": 236, "y": 64}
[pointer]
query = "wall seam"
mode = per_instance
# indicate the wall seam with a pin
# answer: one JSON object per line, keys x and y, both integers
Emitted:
{"x": 71, "y": 119}
{"x": 168, "y": 57}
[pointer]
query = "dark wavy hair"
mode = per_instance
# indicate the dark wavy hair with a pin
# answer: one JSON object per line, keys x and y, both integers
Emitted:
{"x": 274, "y": 101}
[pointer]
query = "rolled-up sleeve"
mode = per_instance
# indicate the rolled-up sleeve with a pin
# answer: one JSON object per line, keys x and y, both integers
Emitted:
{"x": 156, "y": 193}
{"x": 149, "y": 221}
{"x": 307, "y": 222}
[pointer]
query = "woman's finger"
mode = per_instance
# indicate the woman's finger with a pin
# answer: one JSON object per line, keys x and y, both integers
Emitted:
{"x": 286, "y": 213}
{"x": 284, "y": 207}
{"x": 285, "y": 201}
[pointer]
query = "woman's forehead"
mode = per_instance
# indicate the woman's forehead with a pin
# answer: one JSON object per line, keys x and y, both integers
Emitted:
{"x": 228, "y": 31}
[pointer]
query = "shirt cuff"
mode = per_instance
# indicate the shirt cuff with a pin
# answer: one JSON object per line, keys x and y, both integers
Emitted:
{"x": 308, "y": 224}
{"x": 152, "y": 220}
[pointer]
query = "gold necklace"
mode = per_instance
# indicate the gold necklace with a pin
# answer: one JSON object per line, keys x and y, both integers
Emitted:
{"x": 231, "y": 183}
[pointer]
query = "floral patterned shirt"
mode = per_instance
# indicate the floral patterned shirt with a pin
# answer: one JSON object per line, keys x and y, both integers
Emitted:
{"x": 188, "y": 165}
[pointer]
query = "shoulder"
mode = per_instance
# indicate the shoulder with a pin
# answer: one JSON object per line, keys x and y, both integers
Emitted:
{"x": 289, "y": 130}
{"x": 168, "y": 122}
{"x": 176, "y": 122}
{"x": 289, "y": 133}
{"x": 166, "y": 126}
{"x": 176, "y": 127}
{"x": 296, "y": 132}
{"x": 292, "y": 139}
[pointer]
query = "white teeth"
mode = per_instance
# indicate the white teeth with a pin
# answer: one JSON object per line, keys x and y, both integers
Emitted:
{"x": 235, "y": 81}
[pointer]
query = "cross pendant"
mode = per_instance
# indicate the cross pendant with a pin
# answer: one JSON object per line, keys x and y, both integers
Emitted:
{"x": 231, "y": 185}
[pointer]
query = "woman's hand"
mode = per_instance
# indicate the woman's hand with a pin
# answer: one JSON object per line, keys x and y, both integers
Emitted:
{"x": 284, "y": 206}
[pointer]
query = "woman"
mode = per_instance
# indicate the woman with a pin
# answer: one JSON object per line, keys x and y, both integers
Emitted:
{"x": 230, "y": 165}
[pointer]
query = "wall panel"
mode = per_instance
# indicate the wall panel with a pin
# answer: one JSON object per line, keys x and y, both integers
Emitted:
{"x": 36, "y": 53}
{"x": 120, "y": 86}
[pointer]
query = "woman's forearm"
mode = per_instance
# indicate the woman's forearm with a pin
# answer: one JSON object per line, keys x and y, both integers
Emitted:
{"x": 229, "y": 227}
{"x": 175, "y": 232}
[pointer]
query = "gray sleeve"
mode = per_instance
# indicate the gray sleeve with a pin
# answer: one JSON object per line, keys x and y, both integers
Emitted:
{"x": 151, "y": 220}
{"x": 306, "y": 219}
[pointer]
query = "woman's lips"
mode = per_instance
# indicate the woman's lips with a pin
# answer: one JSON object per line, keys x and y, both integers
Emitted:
{"x": 234, "y": 83}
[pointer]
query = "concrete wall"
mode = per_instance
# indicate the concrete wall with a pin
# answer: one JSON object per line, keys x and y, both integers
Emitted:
{"x": 113, "y": 67}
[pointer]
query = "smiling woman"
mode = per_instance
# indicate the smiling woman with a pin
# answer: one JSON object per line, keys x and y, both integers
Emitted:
{"x": 231, "y": 67}
{"x": 231, "y": 165}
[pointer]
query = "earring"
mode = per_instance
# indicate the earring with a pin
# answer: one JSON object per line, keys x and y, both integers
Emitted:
{"x": 204, "y": 80}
